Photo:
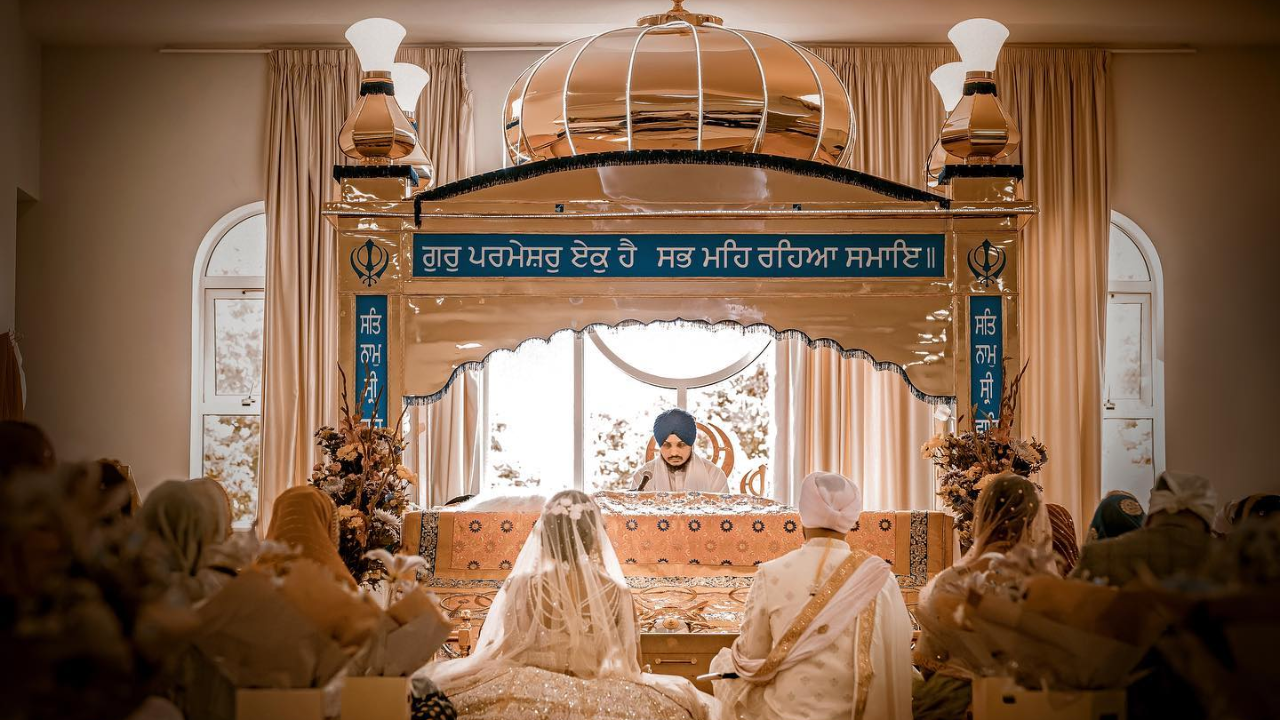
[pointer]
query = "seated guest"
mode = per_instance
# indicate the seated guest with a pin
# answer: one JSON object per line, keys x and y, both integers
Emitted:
{"x": 186, "y": 527}
{"x": 677, "y": 467}
{"x": 117, "y": 484}
{"x": 950, "y": 653}
{"x": 1065, "y": 547}
{"x": 1237, "y": 511}
{"x": 26, "y": 447}
{"x": 1118, "y": 513}
{"x": 1174, "y": 539}
{"x": 305, "y": 519}
{"x": 840, "y": 650}
{"x": 560, "y": 641}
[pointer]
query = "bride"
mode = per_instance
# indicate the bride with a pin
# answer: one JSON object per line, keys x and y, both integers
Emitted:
{"x": 561, "y": 640}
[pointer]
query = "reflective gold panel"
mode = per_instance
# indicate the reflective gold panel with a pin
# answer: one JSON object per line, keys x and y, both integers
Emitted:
{"x": 679, "y": 81}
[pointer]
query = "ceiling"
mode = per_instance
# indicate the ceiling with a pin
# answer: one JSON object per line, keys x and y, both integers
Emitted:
{"x": 232, "y": 23}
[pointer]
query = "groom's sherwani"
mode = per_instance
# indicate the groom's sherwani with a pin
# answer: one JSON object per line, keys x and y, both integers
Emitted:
{"x": 863, "y": 673}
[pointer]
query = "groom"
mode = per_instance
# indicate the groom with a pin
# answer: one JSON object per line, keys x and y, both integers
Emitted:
{"x": 826, "y": 633}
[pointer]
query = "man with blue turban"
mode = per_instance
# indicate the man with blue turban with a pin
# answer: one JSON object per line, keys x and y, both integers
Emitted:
{"x": 677, "y": 467}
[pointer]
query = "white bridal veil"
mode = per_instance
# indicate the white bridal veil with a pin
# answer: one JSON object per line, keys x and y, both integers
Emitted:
{"x": 565, "y": 606}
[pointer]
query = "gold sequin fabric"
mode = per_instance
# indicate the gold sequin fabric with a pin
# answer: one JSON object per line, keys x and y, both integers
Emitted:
{"x": 529, "y": 693}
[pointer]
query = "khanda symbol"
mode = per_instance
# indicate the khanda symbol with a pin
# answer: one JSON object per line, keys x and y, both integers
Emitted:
{"x": 369, "y": 261}
{"x": 987, "y": 262}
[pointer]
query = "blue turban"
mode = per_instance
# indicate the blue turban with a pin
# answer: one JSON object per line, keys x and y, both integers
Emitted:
{"x": 675, "y": 422}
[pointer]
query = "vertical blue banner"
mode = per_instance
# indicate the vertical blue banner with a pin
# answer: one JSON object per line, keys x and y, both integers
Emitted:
{"x": 371, "y": 357}
{"x": 986, "y": 351}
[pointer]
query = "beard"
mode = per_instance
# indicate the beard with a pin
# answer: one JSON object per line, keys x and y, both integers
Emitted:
{"x": 677, "y": 468}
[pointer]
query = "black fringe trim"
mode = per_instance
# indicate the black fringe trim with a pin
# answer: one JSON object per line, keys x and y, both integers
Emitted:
{"x": 979, "y": 171}
{"x": 355, "y": 172}
{"x": 757, "y": 328}
{"x": 806, "y": 168}
{"x": 377, "y": 87}
{"x": 981, "y": 87}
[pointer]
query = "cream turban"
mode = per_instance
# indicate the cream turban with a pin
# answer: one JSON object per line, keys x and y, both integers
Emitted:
{"x": 830, "y": 501}
{"x": 1175, "y": 492}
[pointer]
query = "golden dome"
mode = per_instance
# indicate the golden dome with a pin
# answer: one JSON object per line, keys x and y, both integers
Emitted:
{"x": 679, "y": 80}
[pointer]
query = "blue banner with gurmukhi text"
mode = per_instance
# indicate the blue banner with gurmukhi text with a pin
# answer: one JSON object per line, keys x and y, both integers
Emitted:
{"x": 371, "y": 358}
{"x": 679, "y": 256}
{"x": 986, "y": 352}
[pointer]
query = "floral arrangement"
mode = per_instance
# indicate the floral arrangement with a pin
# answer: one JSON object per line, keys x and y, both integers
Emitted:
{"x": 362, "y": 471}
{"x": 967, "y": 458}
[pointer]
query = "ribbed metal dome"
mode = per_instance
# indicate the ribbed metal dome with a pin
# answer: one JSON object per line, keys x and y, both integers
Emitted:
{"x": 679, "y": 80}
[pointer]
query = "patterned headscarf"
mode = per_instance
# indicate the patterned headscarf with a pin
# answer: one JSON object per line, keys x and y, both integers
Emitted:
{"x": 1064, "y": 537}
{"x": 1118, "y": 513}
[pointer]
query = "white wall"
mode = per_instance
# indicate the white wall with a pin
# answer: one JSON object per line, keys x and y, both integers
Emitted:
{"x": 142, "y": 153}
{"x": 1193, "y": 163}
{"x": 19, "y": 144}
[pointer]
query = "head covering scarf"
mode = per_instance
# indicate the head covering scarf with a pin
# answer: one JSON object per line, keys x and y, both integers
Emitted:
{"x": 675, "y": 422}
{"x": 184, "y": 524}
{"x": 306, "y": 519}
{"x": 830, "y": 501}
{"x": 1118, "y": 513}
{"x": 217, "y": 503}
{"x": 1237, "y": 511}
{"x": 1176, "y": 492}
{"x": 1064, "y": 537}
{"x": 115, "y": 477}
{"x": 1005, "y": 514}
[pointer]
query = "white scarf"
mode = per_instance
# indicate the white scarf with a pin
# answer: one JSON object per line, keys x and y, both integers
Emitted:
{"x": 839, "y": 612}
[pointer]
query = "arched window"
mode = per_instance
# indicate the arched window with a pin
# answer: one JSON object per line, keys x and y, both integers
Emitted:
{"x": 1133, "y": 383}
{"x": 227, "y": 313}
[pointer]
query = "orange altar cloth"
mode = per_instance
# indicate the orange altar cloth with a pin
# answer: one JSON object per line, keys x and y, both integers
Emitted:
{"x": 673, "y": 538}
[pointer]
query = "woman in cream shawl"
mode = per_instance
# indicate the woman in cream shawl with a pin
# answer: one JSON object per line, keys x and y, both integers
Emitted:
{"x": 188, "y": 519}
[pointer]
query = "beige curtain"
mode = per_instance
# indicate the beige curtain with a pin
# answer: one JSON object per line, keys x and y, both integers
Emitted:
{"x": 898, "y": 112}
{"x": 842, "y": 415}
{"x": 1058, "y": 98}
{"x": 445, "y": 126}
{"x": 449, "y": 441}
{"x": 11, "y": 382}
{"x": 312, "y": 92}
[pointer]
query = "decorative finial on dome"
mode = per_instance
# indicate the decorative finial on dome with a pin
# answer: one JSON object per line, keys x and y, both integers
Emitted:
{"x": 677, "y": 13}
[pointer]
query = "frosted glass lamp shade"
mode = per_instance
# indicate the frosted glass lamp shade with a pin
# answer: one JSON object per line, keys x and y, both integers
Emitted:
{"x": 376, "y": 41}
{"x": 949, "y": 79}
{"x": 979, "y": 41}
{"x": 409, "y": 80}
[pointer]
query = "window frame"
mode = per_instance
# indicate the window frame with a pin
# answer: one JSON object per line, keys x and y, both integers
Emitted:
{"x": 1153, "y": 332}
{"x": 680, "y": 385}
{"x": 204, "y": 290}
